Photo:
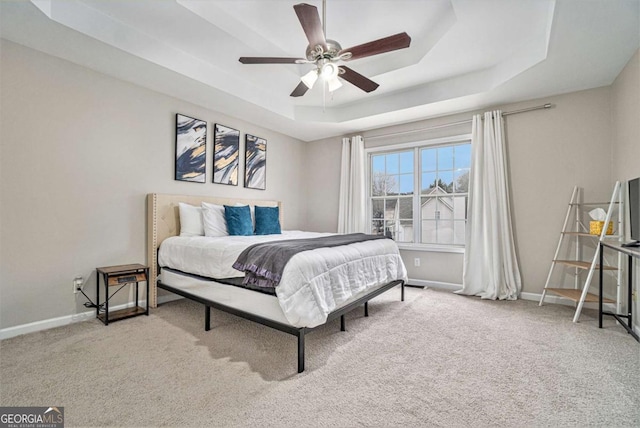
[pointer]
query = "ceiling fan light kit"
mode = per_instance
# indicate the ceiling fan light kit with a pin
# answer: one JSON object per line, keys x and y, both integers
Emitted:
{"x": 326, "y": 53}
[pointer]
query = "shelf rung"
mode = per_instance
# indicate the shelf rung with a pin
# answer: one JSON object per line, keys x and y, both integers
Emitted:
{"x": 573, "y": 294}
{"x": 581, "y": 234}
{"x": 583, "y": 265}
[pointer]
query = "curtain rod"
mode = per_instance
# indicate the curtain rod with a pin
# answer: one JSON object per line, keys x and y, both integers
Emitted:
{"x": 462, "y": 122}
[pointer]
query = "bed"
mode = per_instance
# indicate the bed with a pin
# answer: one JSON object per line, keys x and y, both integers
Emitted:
{"x": 289, "y": 314}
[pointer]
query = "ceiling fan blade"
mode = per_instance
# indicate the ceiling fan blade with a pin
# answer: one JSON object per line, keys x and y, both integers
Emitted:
{"x": 311, "y": 24}
{"x": 358, "y": 79}
{"x": 300, "y": 90}
{"x": 267, "y": 60}
{"x": 386, "y": 44}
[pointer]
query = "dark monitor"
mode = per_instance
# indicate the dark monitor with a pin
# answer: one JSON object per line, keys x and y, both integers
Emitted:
{"x": 634, "y": 211}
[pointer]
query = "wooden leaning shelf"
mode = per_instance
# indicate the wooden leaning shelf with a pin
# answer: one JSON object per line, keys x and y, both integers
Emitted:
{"x": 580, "y": 233}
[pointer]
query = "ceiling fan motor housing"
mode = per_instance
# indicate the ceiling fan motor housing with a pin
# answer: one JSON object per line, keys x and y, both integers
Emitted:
{"x": 315, "y": 53}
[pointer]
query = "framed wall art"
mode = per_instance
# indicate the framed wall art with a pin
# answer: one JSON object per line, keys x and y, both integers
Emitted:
{"x": 191, "y": 149}
{"x": 255, "y": 171}
{"x": 226, "y": 154}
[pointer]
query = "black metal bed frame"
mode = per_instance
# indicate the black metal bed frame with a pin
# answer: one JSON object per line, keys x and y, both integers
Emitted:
{"x": 299, "y": 332}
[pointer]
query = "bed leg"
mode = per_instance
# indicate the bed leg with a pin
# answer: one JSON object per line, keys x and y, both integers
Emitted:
{"x": 402, "y": 291}
{"x": 343, "y": 326}
{"x": 366, "y": 309}
{"x": 207, "y": 318}
{"x": 301, "y": 351}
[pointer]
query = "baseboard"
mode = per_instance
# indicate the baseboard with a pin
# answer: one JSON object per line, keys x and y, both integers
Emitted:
{"x": 535, "y": 297}
{"x": 18, "y": 330}
{"x": 435, "y": 284}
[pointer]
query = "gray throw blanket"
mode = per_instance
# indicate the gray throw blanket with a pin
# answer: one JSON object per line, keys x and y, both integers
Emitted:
{"x": 264, "y": 263}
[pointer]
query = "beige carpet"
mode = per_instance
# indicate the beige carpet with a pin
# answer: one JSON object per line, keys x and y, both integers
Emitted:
{"x": 437, "y": 359}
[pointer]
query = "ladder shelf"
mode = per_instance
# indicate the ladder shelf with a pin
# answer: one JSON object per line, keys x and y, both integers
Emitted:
{"x": 577, "y": 231}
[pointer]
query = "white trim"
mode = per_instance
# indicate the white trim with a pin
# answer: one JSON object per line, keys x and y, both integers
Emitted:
{"x": 435, "y": 284}
{"x": 32, "y": 327}
{"x": 534, "y": 297}
{"x": 431, "y": 142}
{"x": 432, "y": 248}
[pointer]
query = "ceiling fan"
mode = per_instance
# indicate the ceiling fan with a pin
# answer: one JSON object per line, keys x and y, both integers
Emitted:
{"x": 326, "y": 53}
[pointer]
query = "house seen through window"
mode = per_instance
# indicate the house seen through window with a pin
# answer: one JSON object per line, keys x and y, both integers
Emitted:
{"x": 419, "y": 194}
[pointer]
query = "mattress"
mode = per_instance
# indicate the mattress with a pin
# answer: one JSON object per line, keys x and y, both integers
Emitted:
{"x": 314, "y": 283}
{"x": 263, "y": 305}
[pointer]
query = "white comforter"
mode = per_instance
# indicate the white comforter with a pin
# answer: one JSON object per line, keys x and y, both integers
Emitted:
{"x": 314, "y": 283}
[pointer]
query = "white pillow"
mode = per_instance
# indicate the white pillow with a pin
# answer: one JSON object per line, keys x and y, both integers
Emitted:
{"x": 190, "y": 220}
{"x": 214, "y": 222}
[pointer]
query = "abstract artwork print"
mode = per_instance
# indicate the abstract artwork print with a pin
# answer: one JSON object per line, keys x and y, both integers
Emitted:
{"x": 191, "y": 149}
{"x": 255, "y": 171}
{"x": 226, "y": 153}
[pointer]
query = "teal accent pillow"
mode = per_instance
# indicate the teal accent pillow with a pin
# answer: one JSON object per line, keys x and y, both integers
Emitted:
{"x": 238, "y": 220}
{"x": 267, "y": 220}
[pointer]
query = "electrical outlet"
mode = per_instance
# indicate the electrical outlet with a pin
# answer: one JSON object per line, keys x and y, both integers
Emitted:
{"x": 77, "y": 284}
{"x": 416, "y": 262}
{"x": 634, "y": 295}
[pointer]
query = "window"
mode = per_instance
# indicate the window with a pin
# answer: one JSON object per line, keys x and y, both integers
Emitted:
{"x": 418, "y": 193}
{"x": 392, "y": 184}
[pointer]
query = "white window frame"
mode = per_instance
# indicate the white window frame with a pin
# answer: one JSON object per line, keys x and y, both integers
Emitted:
{"x": 444, "y": 141}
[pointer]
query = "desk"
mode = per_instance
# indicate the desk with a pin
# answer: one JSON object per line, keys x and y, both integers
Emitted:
{"x": 631, "y": 252}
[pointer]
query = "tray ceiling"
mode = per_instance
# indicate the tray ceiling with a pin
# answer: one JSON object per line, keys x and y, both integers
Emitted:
{"x": 465, "y": 54}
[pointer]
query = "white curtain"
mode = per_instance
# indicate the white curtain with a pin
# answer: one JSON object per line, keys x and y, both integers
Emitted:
{"x": 490, "y": 266}
{"x": 352, "y": 207}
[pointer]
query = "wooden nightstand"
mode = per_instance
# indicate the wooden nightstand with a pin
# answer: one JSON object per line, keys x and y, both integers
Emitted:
{"x": 119, "y": 276}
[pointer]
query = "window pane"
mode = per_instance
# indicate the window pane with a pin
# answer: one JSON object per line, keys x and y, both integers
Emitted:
{"x": 459, "y": 232}
{"x": 393, "y": 163}
{"x": 461, "y": 181}
{"x": 390, "y": 209}
{"x": 429, "y": 208}
{"x": 429, "y": 232}
{"x": 445, "y": 207}
{"x": 445, "y": 231}
{"x": 378, "y": 184}
{"x": 406, "y": 208}
{"x": 428, "y": 159}
{"x": 462, "y": 155}
{"x": 406, "y": 162}
{"x": 445, "y": 181}
{"x": 392, "y": 184}
{"x": 445, "y": 158}
{"x": 428, "y": 182}
{"x": 406, "y": 184}
{"x": 377, "y": 208}
{"x": 377, "y": 163}
{"x": 405, "y": 231}
{"x": 377, "y": 227}
{"x": 459, "y": 207}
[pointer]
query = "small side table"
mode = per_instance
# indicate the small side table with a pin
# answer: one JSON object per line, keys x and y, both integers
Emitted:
{"x": 121, "y": 275}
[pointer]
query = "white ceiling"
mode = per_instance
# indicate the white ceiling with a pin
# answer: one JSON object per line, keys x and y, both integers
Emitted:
{"x": 464, "y": 54}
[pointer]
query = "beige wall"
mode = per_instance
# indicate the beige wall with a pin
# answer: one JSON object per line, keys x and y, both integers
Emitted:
{"x": 80, "y": 150}
{"x": 625, "y": 116}
{"x": 549, "y": 151}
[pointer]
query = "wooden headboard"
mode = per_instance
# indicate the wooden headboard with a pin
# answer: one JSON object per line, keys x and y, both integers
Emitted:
{"x": 163, "y": 221}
